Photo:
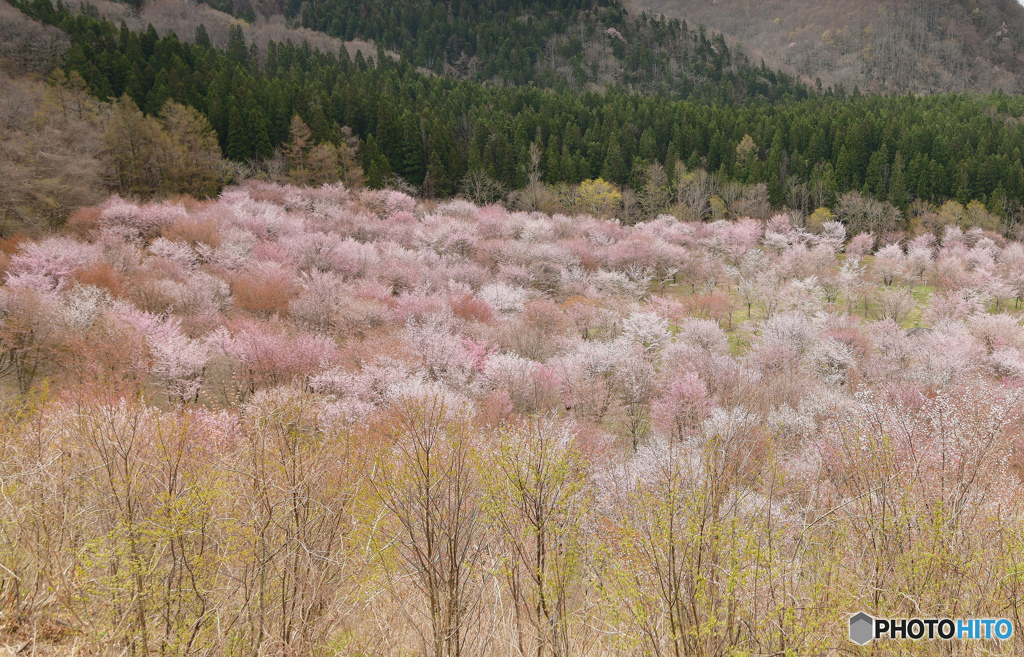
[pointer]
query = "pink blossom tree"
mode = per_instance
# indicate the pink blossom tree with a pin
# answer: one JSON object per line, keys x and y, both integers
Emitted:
{"x": 682, "y": 405}
{"x": 269, "y": 355}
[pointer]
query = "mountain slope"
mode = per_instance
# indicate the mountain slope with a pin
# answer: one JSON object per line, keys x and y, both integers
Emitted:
{"x": 890, "y": 46}
{"x": 566, "y": 45}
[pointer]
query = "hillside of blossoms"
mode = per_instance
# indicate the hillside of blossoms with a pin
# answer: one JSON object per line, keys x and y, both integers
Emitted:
{"x": 322, "y": 421}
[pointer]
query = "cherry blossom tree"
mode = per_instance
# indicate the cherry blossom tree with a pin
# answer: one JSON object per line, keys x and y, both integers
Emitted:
{"x": 269, "y": 355}
{"x": 888, "y": 263}
{"x": 29, "y": 336}
{"x": 895, "y": 304}
{"x": 634, "y": 379}
{"x": 682, "y": 406}
{"x": 50, "y": 265}
{"x": 860, "y": 245}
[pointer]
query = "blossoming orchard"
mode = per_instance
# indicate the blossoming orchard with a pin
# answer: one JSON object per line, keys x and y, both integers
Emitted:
{"x": 321, "y": 421}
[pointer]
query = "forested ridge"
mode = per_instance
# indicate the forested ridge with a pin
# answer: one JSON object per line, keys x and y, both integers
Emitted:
{"x": 807, "y": 148}
{"x": 564, "y": 45}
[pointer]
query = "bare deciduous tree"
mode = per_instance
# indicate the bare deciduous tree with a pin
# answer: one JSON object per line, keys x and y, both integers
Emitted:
{"x": 537, "y": 501}
{"x": 433, "y": 539}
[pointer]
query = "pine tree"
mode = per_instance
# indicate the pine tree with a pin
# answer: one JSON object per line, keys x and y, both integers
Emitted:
{"x": 387, "y": 130}
{"x": 845, "y": 176}
{"x": 567, "y": 166}
{"x": 778, "y": 167}
{"x": 237, "y": 52}
{"x": 260, "y": 139}
{"x": 239, "y": 146}
{"x": 281, "y": 124}
{"x": 614, "y": 169}
{"x": 202, "y": 39}
{"x": 410, "y": 162}
{"x": 375, "y": 164}
{"x": 962, "y": 184}
{"x": 321, "y": 165}
{"x": 913, "y": 175}
{"x": 898, "y": 183}
{"x": 938, "y": 181}
{"x": 270, "y": 66}
{"x": 1015, "y": 180}
{"x": 435, "y": 184}
{"x": 874, "y": 179}
{"x": 649, "y": 146}
{"x": 134, "y": 86}
{"x": 504, "y": 159}
{"x": 552, "y": 158}
{"x": 924, "y": 182}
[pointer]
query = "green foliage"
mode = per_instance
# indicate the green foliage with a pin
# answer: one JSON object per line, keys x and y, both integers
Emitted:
{"x": 432, "y": 130}
{"x": 239, "y": 146}
{"x": 512, "y": 42}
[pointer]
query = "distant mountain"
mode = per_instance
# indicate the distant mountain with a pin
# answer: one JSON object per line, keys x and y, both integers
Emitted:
{"x": 920, "y": 46}
{"x": 564, "y": 45}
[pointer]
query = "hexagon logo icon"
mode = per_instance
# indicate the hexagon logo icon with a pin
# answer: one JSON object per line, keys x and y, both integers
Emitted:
{"x": 862, "y": 628}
